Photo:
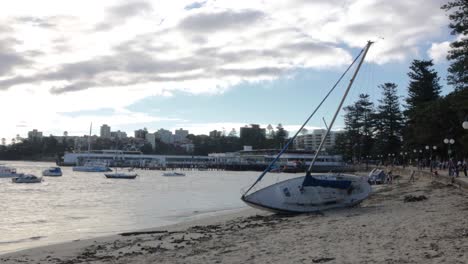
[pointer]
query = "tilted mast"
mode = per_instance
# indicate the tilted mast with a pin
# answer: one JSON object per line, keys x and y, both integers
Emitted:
{"x": 369, "y": 43}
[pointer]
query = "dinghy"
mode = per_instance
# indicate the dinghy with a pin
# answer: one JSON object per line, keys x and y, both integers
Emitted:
{"x": 312, "y": 193}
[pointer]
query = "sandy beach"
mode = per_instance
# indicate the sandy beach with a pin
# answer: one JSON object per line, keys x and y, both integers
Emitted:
{"x": 420, "y": 222}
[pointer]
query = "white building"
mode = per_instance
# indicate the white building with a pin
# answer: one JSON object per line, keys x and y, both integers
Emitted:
{"x": 165, "y": 136}
{"x": 311, "y": 141}
{"x": 105, "y": 131}
{"x": 118, "y": 134}
{"x": 151, "y": 138}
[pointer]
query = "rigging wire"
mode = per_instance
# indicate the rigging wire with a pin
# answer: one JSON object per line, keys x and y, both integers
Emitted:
{"x": 304, "y": 124}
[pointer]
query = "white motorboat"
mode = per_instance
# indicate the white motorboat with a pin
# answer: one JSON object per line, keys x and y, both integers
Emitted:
{"x": 27, "y": 178}
{"x": 312, "y": 193}
{"x": 93, "y": 166}
{"x": 173, "y": 174}
{"x": 7, "y": 172}
{"x": 52, "y": 171}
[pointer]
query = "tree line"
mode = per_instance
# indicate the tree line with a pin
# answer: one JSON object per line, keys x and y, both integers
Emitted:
{"x": 418, "y": 128}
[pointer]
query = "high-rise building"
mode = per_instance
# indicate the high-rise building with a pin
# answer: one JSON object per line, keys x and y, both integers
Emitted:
{"x": 165, "y": 136}
{"x": 215, "y": 133}
{"x": 151, "y": 138}
{"x": 105, "y": 131}
{"x": 118, "y": 134}
{"x": 34, "y": 134}
{"x": 180, "y": 135}
{"x": 312, "y": 140}
{"x": 141, "y": 133}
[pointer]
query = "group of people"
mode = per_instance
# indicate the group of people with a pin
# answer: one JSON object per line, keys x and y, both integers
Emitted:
{"x": 455, "y": 167}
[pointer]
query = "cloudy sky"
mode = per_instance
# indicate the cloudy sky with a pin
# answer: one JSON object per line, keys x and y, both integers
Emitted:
{"x": 213, "y": 64}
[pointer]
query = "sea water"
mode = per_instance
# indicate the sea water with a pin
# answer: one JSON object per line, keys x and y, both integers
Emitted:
{"x": 82, "y": 205}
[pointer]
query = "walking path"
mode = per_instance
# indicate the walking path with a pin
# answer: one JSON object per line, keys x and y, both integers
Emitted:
{"x": 442, "y": 175}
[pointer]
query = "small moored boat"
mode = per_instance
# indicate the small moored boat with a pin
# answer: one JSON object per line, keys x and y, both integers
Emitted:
{"x": 26, "y": 178}
{"x": 173, "y": 174}
{"x": 7, "y": 172}
{"x": 121, "y": 175}
{"x": 92, "y": 166}
{"x": 52, "y": 171}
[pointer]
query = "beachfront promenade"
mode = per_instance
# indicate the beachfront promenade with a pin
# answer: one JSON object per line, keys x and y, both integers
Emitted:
{"x": 436, "y": 174}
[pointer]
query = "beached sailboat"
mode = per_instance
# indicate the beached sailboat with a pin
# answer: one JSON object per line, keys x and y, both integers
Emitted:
{"x": 312, "y": 193}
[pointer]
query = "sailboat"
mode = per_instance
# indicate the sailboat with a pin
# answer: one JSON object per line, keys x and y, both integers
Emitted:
{"x": 92, "y": 165}
{"x": 120, "y": 175}
{"x": 312, "y": 193}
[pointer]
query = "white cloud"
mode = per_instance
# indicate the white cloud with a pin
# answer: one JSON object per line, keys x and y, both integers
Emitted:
{"x": 91, "y": 59}
{"x": 438, "y": 51}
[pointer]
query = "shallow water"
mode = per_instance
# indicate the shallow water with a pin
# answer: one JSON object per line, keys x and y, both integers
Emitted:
{"x": 82, "y": 205}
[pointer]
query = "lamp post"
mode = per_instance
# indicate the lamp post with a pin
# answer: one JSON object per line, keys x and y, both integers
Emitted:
{"x": 430, "y": 155}
{"x": 465, "y": 123}
{"x": 449, "y": 142}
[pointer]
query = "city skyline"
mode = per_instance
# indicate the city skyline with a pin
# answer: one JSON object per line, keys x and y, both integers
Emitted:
{"x": 202, "y": 66}
{"x": 98, "y": 132}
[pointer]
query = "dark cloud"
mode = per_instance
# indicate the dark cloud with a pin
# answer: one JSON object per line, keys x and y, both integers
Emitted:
{"x": 9, "y": 58}
{"x": 118, "y": 15}
{"x": 72, "y": 87}
{"x": 307, "y": 46}
{"x": 210, "y": 22}
{"x": 195, "y": 5}
{"x": 255, "y": 72}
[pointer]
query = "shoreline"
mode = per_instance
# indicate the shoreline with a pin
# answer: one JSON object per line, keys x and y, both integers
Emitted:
{"x": 184, "y": 221}
{"x": 391, "y": 226}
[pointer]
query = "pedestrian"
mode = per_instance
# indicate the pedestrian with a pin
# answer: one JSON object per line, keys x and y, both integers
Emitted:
{"x": 464, "y": 167}
{"x": 389, "y": 177}
{"x": 411, "y": 179}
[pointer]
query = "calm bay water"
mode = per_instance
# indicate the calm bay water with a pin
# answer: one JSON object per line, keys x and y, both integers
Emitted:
{"x": 82, "y": 205}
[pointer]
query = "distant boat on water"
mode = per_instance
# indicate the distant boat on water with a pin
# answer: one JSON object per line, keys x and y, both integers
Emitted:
{"x": 120, "y": 175}
{"x": 52, "y": 171}
{"x": 93, "y": 166}
{"x": 8, "y": 172}
{"x": 26, "y": 178}
{"x": 173, "y": 174}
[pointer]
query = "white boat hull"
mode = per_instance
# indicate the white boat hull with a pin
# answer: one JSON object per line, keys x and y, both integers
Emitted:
{"x": 288, "y": 197}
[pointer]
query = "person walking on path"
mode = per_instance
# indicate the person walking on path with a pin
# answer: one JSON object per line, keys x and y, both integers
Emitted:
{"x": 464, "y": 167}
{"x": 411, "y": 179}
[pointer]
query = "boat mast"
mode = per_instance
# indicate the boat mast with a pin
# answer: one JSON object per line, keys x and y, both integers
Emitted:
{"x": 89, "y": 138}
{"x": 303, "y": 125}
{"x": 369, "y": 43}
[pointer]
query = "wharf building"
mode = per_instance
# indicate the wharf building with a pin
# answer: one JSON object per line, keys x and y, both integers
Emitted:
{"x": 247, "y": 159}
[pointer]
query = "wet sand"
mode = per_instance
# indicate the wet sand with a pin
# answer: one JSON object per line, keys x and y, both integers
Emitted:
{"x": 421, "y": 222}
